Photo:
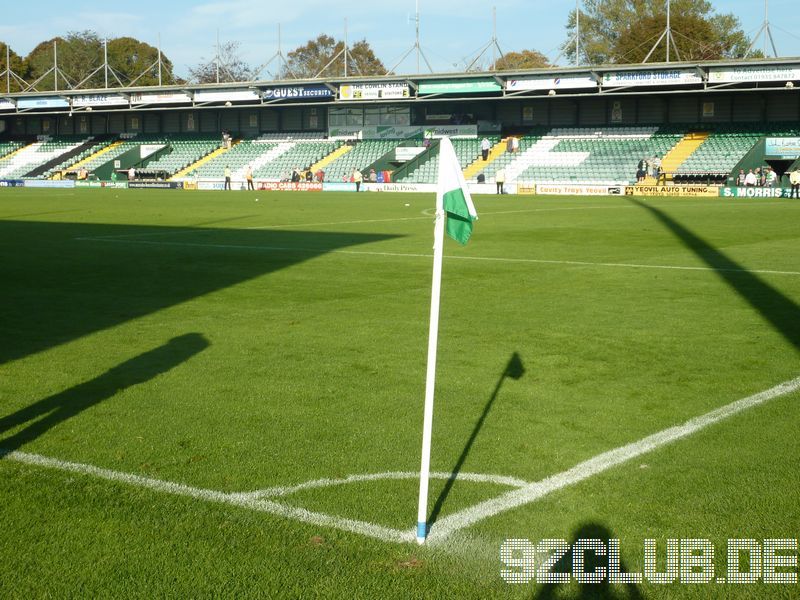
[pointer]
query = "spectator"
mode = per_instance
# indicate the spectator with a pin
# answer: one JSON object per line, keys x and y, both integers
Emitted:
{"x": 248, "y": 175}
{"x": 309, "y": 176}
{"x": 485, "y": 147}
{"x": 794, "y": 180}
{"x": 641, "y": 170}
{"x": 740, "y": 179}
{"x": 357, "y": 179}
{"x": 514, "y": 144}
{"x": 500, "y": 179}
{"x": 771, "y": 177}
{"x": 373, "y": 176}
{"x": 131, "y": 174}
{"x": 759, "y": 177}
{"x": 510, "y": 144}
{"x": 750, "y": 179}
{"x": 320, "y": 175}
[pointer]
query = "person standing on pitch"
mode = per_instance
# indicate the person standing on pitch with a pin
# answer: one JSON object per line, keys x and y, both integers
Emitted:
{"x": 248, "y": 175}
{"x": 227, "y": 174}
{"x": 500, "y": 179}
{"x": 794, "y": 180}
{"x": 357, "y": 179}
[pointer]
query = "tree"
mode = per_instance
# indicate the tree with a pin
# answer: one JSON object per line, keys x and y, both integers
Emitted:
{"x": 136, "y": 63}
{"x": 525, "y": 59}
{"x": 226, "y": 66}
{"x": 80, "y": 63}
{"x": 11, "y": 82}
{"x": 39, "y": 64}
{"x": 606, "y": 25}
{"x": 323, "y": 57}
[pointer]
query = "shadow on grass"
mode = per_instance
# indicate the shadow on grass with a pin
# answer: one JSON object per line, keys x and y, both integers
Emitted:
{"x": 514, "y": 370}
{"x": 58, "y": 408}
{"x": 781, "y": 312}
{"x": 62, "y": 281}
{"x": 588, "y": 591}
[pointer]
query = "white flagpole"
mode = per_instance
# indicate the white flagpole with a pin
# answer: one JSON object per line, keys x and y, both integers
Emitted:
{"x": 430, "y": 379}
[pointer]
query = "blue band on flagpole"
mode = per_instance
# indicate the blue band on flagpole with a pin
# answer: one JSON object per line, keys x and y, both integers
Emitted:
{"x": 422, "y": 529}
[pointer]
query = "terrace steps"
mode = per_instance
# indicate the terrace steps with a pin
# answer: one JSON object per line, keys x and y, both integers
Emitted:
{"x": 479, "y": 164}
{"x": 86, "y": 159}
{"x": 207, "y": 158}
{"x": 325, "y": 161}
{"x": 682, "y": 150}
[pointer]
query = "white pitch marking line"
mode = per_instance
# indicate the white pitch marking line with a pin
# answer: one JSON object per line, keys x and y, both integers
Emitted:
{"x": 372, "y": 530}
{"x": 450, "y": 524}
{"x": 578, "y": 263}
{"x": 524, "y": 493}
{"x": 394, "y": 475}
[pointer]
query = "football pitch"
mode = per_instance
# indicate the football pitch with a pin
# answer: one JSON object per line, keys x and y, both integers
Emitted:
{"x": 209, "y": 394}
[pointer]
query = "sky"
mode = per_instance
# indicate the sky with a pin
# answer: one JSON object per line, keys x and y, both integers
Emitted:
{"x": 452, "y": 32}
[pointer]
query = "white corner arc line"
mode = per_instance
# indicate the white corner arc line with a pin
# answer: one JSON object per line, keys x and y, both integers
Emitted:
{"x": 393, "y": 475}
{"x": 524, "y": 492}
{"x": 450, "y": 524}
{"x": 372, "y": 530}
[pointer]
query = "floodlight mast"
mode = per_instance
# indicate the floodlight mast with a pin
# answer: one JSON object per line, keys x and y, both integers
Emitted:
{"x": 416, "y": 47}
{"x": 665, "y": 35}
{"x": 576, "y": 39}
{"x": 493, "y": 44}
{"x": 766, "y": 31}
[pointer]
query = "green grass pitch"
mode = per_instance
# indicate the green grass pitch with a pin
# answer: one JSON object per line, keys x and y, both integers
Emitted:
{"x": 173, "y": 353}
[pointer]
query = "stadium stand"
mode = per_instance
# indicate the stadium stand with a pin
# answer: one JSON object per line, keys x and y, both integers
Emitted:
{"x": 425, "y": 171}
{"x": 726, "y": 146}
{"x": 30, "y": 158}
{"x": 181, "y": 152}
{"x": 301, "y": 155}
{"x": 363, "y": 154}
{"x": 604, "y": 155}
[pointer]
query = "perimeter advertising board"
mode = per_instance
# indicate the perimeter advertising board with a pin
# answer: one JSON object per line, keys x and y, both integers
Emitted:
{"x": 159, "y": 98}
{"x": 227, "y": 96}
{"x": 297, "y": 92}
{"x": 550, "y": 83}
{"x": 389, "y": 132}
{"x": 559, "y": 189}
{"x": 374, "y": 91}
{"x": 698, "y": 191}
{"x": 754, "y": 73}
{"x": 459, "y": 86}
{"x": 42, "y": 103}
{"x": 754, "y": 192}
{"x": 289, "y": 186}
{"x": 786, "y": 148}
{"x": 652, "y": 78}
{"x": 99, "y": 100}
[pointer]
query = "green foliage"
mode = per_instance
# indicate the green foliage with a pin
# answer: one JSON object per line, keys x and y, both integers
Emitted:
{"x": 80, "y": 63}
{"x": 525, "y": 59}
{"x": 225, "y": 66}
{"x": 11, "y": 83}
{"x": 323, "y": 57}
{"x": 624, "y": 31}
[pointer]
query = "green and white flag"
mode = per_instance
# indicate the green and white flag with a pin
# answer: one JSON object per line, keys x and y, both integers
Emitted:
{"x": 453, "y": 206}
{"x": 453, "y": 196}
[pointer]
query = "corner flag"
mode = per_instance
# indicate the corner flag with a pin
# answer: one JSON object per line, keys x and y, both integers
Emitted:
{"x": 453, "y": 204}
{"x": 453, "y": 195}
